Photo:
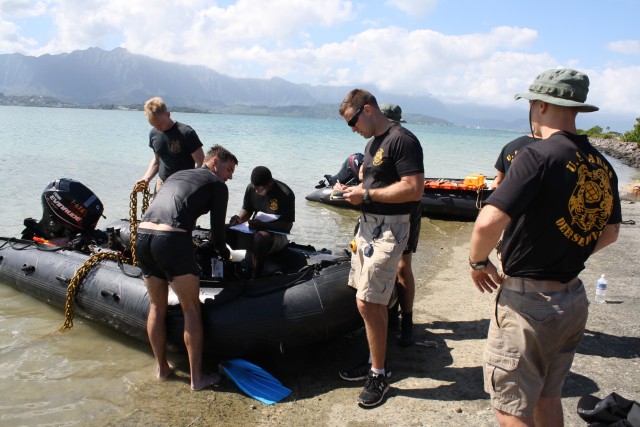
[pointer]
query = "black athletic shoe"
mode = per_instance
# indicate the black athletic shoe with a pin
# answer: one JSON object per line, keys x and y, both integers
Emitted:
{"x": 374, "y": 390}
{"x": 361, "y": 371}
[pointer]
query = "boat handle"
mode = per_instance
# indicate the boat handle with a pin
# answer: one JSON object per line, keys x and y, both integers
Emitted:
{"x": 61, "y": 278}
{"x": 28, "y": 268}
{"x": 107, "y": 293}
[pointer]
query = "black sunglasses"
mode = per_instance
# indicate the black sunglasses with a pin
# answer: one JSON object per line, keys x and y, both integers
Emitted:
{"x": 354, "y": 119}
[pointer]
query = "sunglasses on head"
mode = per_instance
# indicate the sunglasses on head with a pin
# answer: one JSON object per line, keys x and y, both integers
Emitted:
{"x": 354, "y": 119}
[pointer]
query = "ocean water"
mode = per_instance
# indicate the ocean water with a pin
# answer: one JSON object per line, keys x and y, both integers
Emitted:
{"x": 87, "y": 376}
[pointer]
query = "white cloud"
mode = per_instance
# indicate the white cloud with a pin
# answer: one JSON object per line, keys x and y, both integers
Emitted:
{"x": 21, "y": 8}
{"x": 616, "y": 90}
{"x": 416, "y": 8}
{"x": 11, "y": 40}
{"x": 627, "y": 47}
{"x": 253, "y": 38}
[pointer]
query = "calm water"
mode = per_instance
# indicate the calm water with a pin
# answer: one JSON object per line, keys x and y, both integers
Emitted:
{"x": 86, "y": 376}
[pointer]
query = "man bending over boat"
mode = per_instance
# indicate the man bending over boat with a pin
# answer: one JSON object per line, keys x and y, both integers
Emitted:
{"x": 167, "y": 257}
{"x": 176, "y": 146}
{"x": 269, "y": 196}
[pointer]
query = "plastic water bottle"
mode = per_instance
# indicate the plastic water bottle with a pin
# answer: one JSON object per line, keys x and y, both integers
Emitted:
{"x": 601, "y": 289}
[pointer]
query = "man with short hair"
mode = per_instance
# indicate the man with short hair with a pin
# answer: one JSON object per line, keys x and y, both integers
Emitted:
{"x": 270, "y": 196}
{"x": 176, "y": 146}
{"x": 558, "y": 204}
{"x": 167, "y": 257}
{"x": 393, "y": 182}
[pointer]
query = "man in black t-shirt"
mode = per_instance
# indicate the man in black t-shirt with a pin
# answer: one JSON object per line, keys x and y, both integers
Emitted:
{"x": 393, "y": 182}
{"x": 507, "y": 155}
{"x": 176, "y": 146}
{"x": 558, "y": 205}
{"x": 267, "y": 195}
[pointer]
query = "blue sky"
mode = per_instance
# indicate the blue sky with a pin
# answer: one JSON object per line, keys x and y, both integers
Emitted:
{"x": 478, "y": 51}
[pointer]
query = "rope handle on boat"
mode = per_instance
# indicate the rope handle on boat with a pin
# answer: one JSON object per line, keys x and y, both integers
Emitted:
{"x": 76, "y": 280}
{"x": 133, "y": 215}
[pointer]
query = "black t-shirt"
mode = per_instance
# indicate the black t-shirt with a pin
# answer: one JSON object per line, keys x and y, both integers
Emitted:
{"x": 280, "y": 201}
{"x": 174, "y": 147}
{"x": 560, "y": 194}
{"x": 510, "y": 150}
{"x": 185, "y": 196}
{"x": 387, "y": 158}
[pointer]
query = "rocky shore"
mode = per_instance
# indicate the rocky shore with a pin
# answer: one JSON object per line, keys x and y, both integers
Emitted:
{"x": 627, "y": 152}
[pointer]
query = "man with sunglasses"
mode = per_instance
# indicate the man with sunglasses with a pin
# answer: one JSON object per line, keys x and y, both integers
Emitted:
{"x": 393, "y": 182}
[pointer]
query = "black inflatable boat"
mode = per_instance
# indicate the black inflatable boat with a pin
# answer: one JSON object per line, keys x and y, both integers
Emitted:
{"x": 304, "y": 298}
{"x": 442, "y": 198}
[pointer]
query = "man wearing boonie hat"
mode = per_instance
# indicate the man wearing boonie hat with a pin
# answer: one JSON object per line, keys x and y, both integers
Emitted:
{"x": 557, "y": 205}
{"x": 404, "y": 272}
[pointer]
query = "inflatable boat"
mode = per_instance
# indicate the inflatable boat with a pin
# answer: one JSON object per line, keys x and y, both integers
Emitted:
{"x": 304, "y": 297}
{"x": 443, "y": 198}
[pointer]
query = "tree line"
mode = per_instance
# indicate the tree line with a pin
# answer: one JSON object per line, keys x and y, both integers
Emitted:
{"x": 599, "y": 133}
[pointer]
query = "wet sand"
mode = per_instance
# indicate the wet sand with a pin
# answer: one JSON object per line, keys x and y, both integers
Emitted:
{"x": 430, "y": 386}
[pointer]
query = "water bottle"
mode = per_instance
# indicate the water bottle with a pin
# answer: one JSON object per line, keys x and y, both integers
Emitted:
{"x": 601, "y": 289}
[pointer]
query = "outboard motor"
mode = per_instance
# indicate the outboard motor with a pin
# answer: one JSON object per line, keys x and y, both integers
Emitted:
{"x": 68, "y": 208}
{"x": 348, "y": 174}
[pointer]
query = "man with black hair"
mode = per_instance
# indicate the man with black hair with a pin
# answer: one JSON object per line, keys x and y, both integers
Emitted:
{"x": 270, "y": 196}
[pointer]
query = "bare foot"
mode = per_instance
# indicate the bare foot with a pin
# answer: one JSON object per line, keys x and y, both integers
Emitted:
{"x": 164, "y": 372}
{"x": 205, "y": 381}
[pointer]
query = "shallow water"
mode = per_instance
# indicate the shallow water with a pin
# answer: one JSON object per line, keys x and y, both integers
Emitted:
{"x": 95, "y": 376}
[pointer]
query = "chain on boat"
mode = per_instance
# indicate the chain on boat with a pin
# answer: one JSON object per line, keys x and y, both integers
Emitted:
{"x": 96, "y": 258}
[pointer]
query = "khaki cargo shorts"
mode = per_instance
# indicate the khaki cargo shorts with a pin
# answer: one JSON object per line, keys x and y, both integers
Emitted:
{"x": 531, "y": 344}
{"x": 374, "y": 276}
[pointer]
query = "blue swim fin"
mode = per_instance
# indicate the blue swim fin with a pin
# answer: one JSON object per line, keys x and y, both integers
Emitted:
{"x": 254, "y": 380}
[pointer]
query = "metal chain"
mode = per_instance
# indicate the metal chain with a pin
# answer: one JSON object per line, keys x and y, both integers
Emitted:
{"x": 133, "y": 216}
{"x": 76, "y": 280}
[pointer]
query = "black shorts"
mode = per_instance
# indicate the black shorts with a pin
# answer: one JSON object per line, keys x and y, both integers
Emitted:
{"x": 166, "y": 254}
{"x": 414, "y": 230}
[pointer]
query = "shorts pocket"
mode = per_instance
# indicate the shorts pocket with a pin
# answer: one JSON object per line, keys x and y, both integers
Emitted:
{"x": 541, "y": 312}
{"x": 500, "y": 369}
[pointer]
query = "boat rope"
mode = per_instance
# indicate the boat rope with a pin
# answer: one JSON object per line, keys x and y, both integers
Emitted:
{"x": 133, "y": 215}
{"x": 76, "y": 280}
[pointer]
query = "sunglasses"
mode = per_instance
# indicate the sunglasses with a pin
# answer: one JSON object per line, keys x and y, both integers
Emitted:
{"x": 354, "y": 119}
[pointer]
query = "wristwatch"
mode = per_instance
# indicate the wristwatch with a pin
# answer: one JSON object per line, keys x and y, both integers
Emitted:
{"x": 479, "y": 266}
{"x": 366, "y": 199}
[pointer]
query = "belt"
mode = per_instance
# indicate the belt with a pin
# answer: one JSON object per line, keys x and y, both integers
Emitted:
{"x": 520, "y": 284}
{"x": 387, "y": 219}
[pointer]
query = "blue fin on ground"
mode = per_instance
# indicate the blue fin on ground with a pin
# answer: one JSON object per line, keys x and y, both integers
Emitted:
{"x": 254, "y": 380}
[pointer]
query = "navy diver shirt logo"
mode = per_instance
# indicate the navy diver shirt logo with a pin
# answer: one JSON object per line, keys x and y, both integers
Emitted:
{"x": 591, "y": 201}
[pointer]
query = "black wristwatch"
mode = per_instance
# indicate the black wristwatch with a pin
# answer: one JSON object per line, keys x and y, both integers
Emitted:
{"x": 479, "y": 266}
{"x": 366, "y": 199}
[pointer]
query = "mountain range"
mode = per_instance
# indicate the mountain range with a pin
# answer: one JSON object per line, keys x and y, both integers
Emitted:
{"x": 98, "y": 78}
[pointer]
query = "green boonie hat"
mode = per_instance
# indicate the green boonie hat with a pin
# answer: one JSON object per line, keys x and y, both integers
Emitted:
{"x": 564, "y": 87}
{"x": 392, "y": 111}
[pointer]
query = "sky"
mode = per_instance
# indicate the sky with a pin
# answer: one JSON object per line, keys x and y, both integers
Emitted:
{"x": 459, "y": 51}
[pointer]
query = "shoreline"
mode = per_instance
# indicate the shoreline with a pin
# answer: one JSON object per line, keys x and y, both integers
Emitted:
{"x": 627, "y": 152}
{"x": 440, "y": 386}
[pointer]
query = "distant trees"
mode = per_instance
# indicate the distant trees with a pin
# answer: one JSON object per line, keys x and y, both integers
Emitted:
{"x": 597, "y": 132}
{"x": 633, "y": 135}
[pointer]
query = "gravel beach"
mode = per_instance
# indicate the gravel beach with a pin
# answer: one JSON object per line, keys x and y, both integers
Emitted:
{"x": 430, "y": 386}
